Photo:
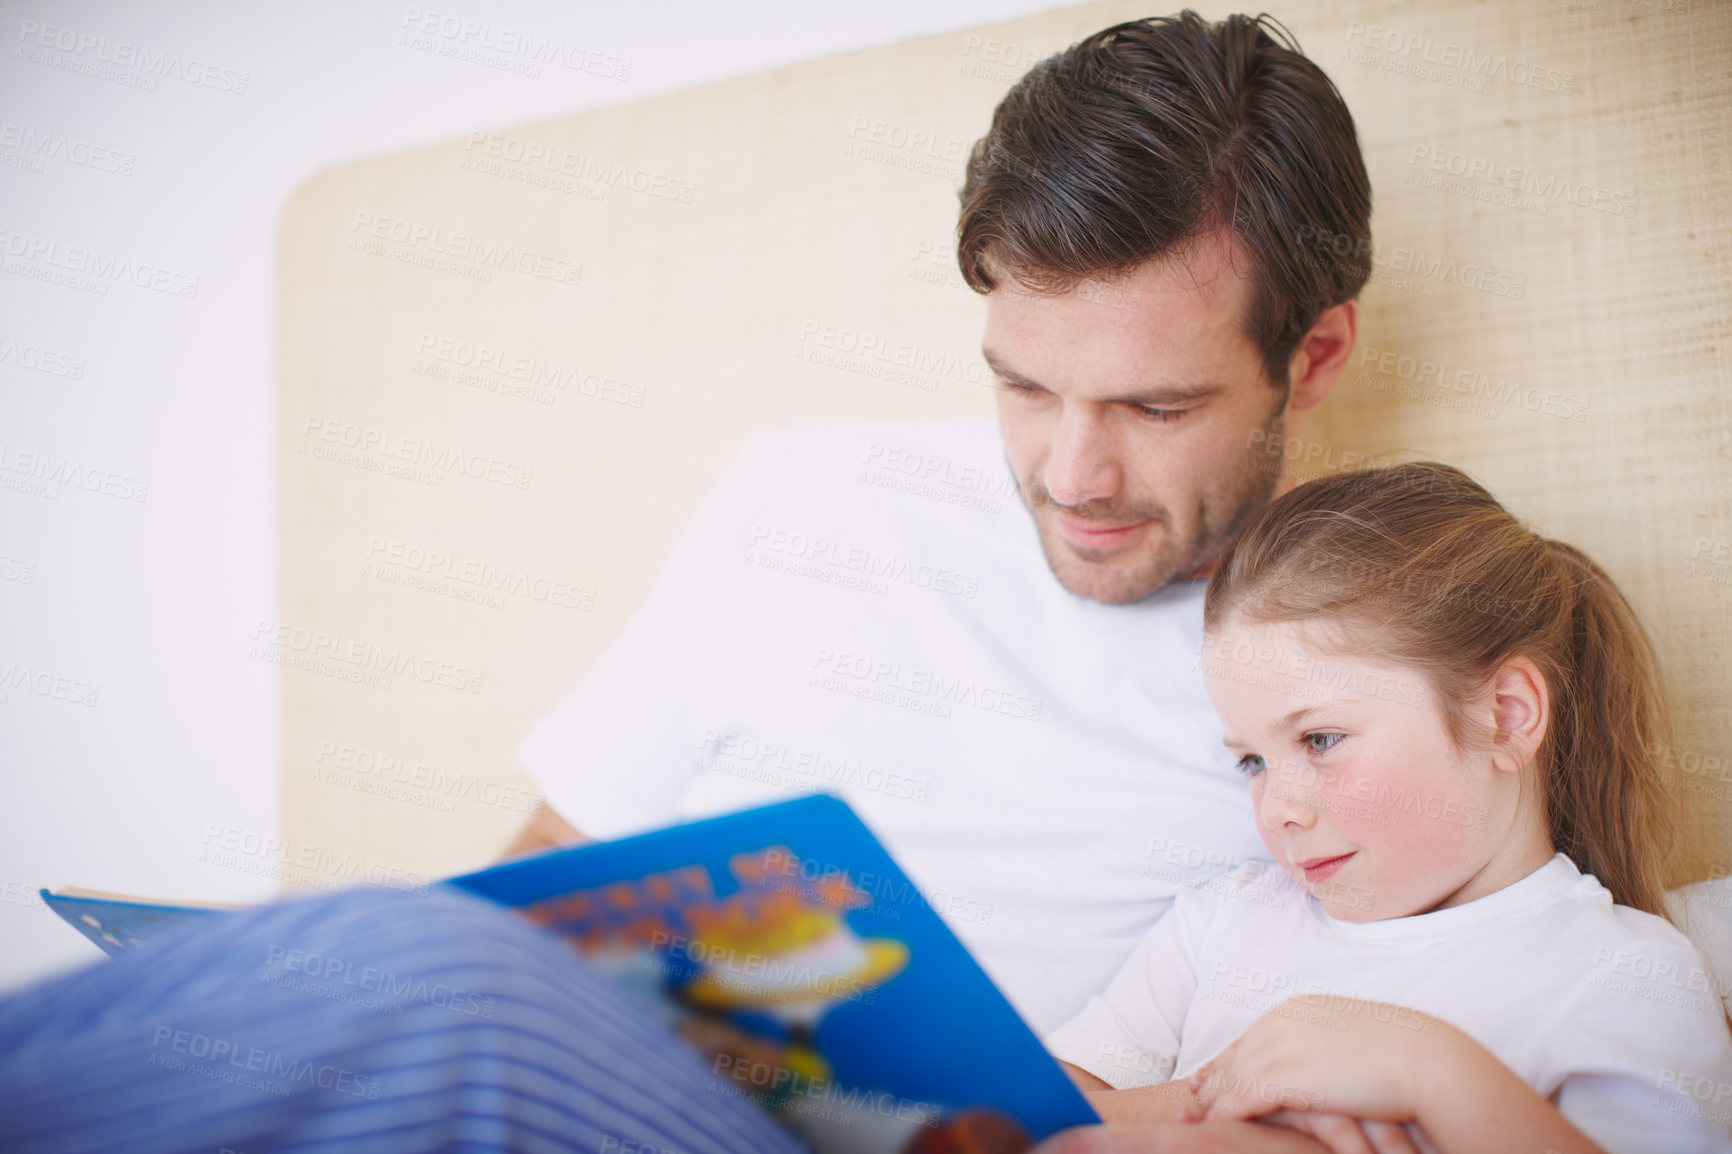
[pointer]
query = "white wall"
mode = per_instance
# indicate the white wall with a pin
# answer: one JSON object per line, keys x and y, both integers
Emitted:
{"x": 131, "y": 718}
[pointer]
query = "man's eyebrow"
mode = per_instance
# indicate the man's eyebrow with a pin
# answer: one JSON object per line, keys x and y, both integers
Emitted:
{"x": 1156, "y": 397}
{"x": 1000, "y": 369}
{"x": 1166, "y": 395}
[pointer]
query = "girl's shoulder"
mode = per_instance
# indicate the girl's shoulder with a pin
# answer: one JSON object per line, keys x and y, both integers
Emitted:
{"x": 1590, "y": 905}
{"x": 1627, "y": 953}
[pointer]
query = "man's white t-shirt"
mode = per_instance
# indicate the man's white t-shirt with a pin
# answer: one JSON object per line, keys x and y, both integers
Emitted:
{"x": 1610, "y": 1011}
{"x": 866, "y": 609}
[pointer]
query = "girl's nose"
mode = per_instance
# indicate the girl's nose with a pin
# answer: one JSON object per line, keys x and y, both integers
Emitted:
{"x": 1285, "y": 802}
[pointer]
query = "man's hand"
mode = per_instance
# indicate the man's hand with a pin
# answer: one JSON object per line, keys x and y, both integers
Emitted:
{"x": 1084, "y": 1080}
{"x": 1344, "y": 1135}
{"x": 1222, "y": 1137}
{"x": 1163, "y": 1102}
{"x": 544, "y": 831}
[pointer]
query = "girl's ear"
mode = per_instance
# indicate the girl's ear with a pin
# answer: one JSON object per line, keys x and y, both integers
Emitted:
{"x": 1521, "y": 708}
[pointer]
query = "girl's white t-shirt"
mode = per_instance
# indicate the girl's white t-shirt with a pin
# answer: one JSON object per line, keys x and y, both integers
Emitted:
{"x": 1610, "y": 1012}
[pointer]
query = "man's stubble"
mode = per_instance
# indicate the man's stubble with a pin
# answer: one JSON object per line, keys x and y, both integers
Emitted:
{"x": 1225, "y": 514}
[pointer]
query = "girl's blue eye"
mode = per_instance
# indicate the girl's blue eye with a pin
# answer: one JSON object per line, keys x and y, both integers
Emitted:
{"x": 1322, "y": 742}
{"x": 1251, "y": 763}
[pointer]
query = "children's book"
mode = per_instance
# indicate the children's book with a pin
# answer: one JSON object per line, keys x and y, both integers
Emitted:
{"x": 119, "y": 922}
{"x": 787, "y": 947}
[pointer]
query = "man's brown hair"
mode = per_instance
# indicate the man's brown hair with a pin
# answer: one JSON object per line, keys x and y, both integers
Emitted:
{"x": 1123, "y": 148}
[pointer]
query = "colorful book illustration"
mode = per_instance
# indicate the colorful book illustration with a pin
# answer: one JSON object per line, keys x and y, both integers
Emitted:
{"x": 786, "y": 946}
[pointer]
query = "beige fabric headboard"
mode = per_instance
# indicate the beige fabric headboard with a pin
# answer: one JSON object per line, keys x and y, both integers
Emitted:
{"x": 512, "y": 364}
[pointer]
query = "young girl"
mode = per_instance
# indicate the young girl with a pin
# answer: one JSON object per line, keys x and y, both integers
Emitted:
{"x": 1445, "y": 722}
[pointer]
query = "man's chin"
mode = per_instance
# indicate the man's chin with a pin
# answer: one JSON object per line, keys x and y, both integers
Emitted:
{"x": 1113, "y": 580}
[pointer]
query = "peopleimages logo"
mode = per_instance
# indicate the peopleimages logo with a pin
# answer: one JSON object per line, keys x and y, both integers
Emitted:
{"x": 41, "y": 360}
{"x": 85, "y": 47}
{"x": 1424, "y": 372}
{"x": 45, "y": 473}
{"x": 488, "y": 361}
{"x": 275, "y": 639}
{"x": 862, "y": 560}
{"x": 483, "y": 577}
{"x": 894, "y": 683}
{"x": 1419, "y": 52}
{"x": 377, "y": 449}
{"x": 451, "y": 30}
{"x": 1544, "y": 188}
{"x": 360, "y": 768}
{"x": 15, "y": 678}
{"x": 786, "y": 764}
{"x": 267, "y": 855}
{"x": 436, "y": 241}
{"x": 1239, "y": 660}
{"x": 103, "y": 268}
{"x": 582, "y": 168}
{"x": 41, "y": 145}
{"x": 224, "y": 1060}
{"x": 1413, "y": 262}
{"x": 331, "y": 975}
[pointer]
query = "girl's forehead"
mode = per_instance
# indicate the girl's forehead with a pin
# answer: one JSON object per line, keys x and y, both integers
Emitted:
{"x": 1316, "y": 637}
{"x": 1289, "y": 667}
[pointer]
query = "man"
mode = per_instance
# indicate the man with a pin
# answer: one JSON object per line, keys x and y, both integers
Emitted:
{"x": 1010, "y": 697}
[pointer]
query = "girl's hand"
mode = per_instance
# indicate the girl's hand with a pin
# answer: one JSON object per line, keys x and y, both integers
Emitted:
{"x": 1325, "y": 1054}
{"x": 1399, "y": 1076}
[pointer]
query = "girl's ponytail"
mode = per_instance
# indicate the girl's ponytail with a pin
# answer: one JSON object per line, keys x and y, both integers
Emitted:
{"x": 1605, "y": 801}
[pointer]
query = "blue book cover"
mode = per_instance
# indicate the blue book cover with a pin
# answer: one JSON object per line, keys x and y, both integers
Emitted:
{"x": 789, "y": 949}
{"x": 117, "y": 923}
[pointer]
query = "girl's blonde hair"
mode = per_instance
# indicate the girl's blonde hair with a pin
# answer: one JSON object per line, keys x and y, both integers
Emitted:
{"x": 1442, "y": 579}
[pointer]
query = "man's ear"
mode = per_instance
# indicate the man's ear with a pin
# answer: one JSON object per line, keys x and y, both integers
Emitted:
{"x": 1521, "y": 712}
{"x": 1322, "y": 356}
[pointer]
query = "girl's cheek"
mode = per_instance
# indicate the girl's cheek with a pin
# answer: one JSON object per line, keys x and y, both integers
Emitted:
{"x": 1357, "y": 803}
{"x": 1265, "y": 837}
{"x": 1264, "y": 834}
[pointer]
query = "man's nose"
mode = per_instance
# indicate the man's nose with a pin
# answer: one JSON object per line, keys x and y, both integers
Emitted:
{"x": 1081, "y": 462}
